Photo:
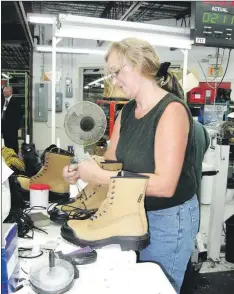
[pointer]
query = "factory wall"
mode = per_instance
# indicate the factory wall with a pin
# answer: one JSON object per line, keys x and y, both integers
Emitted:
{"x": 69, "y": 65}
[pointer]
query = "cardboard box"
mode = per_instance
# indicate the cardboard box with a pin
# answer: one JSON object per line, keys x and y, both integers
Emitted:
{"x": 9, "y": 258}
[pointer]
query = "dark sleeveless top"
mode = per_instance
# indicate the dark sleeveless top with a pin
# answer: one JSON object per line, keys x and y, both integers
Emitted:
{"x": 135, "y": 150}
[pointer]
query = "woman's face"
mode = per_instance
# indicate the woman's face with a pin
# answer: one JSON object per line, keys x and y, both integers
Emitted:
{"x": 124, "y": 75}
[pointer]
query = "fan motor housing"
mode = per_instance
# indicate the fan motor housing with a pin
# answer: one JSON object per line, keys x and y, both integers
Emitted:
{"x": 87, "y": 124}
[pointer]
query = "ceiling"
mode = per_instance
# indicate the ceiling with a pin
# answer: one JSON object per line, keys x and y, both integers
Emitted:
{"x": 143, "y": 10}
{"x": 16, "y": 43}
{"x": 15, "y": 46}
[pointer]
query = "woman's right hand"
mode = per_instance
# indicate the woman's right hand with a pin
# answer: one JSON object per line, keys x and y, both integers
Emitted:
{"x": 71, "y": 173}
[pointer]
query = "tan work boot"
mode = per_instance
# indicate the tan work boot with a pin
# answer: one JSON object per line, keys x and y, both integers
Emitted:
{"x": 121, "y": 219}
{"x": 87, "y": 201}
{"x": 51, "y": 174}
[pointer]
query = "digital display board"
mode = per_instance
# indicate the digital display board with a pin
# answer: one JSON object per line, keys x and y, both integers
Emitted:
{"x": 212, "y": 23}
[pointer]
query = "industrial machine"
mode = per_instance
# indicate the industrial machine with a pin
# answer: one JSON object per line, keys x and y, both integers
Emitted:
{"x": 221, "y": 133}
{"x": 212, "y": 23}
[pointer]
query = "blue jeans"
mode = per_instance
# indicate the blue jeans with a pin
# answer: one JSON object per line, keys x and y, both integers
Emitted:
{"x": 172, "y": 239}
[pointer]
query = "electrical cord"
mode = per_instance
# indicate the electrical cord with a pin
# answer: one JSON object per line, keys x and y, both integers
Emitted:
{"x": 205, "y": 74}
{"x": 22, "y": 249}
{"x": 225, "y": 69}
{"x": 24, "y": 222}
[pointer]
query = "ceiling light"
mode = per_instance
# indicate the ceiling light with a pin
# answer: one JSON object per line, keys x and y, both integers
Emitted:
{"x": 72, "y": 26}
{"x": 41, "y": 18}
{"x": 99, "y": 80}
{"x": 5, "y": 76}
{"x": 71, "y": 50}
{"x": 105, "y": 34}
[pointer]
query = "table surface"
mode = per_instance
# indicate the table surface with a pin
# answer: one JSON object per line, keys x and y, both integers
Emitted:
{"x": 114, "y": 271}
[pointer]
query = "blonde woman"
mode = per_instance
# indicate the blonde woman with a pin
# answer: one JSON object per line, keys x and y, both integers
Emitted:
{"x": 153, "y": 135}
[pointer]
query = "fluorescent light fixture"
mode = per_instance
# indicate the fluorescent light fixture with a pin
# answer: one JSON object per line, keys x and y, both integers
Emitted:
{"x": 105, "y": 34}
{"x": 41, "y": 18}
{"x": 71, "y": 50}
{"x": 86, "y": 87}
{"x": 99, "y": 80}
{"x": 5, "y": 76}
{"x": 72, "y": 26}
{"x": 74, "y": 20}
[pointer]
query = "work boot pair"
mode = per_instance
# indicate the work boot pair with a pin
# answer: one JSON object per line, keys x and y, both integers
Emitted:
{"x": 120, "y": 219}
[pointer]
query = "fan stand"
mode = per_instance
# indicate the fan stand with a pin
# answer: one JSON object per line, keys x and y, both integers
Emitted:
{"x": 80, "y": 156}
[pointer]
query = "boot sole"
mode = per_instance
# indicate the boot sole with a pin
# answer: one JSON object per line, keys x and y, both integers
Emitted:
{"x": 57, "y": 197}
{"x": 126, "y": 243}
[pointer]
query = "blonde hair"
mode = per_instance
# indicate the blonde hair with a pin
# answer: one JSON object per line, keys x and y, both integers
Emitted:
{"x": 141, "y": 54}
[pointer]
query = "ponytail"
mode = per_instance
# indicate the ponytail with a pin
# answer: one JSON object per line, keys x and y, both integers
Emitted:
{"x": 168, "y": 81}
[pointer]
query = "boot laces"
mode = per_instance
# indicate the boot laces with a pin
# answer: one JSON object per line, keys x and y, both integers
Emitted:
{"x": 42, "y": 171}
{"x": 79, "y": 213}
{"x": 108, "y": 201}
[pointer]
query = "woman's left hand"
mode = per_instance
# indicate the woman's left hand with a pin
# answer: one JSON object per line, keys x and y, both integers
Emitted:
{"x": 89, "y": 170}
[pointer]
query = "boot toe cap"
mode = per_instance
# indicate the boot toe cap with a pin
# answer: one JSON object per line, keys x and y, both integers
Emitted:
{"x": 67, "y": 232}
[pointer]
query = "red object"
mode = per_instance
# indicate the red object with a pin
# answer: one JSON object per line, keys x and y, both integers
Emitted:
{"x": 210, "y": 91}
{"x": 196, "y": 96}
{"x": 112, "y": 109}
{"x": 220, "y": 3}
{"x": 39, "y": 187}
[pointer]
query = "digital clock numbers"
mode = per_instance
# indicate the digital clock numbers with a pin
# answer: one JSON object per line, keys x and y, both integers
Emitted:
{"x": 218, "y": 18}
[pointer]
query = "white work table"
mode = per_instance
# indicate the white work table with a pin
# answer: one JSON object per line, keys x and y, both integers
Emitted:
{"x": 115, "y": 271}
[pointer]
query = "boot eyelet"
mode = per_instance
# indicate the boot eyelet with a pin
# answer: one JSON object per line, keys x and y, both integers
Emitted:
{"x": 113, "y": 181}
{"x": 112, "y": 192}
{"x": 113, "y": 187}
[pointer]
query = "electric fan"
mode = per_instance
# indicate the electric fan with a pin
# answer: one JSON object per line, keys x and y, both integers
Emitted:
{"x": 85, "y": 124}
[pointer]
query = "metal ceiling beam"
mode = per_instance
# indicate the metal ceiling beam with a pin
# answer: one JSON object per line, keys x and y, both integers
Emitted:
{"x": 144, "y": 11}
{"x": 187, "y": 12}
{"x": 131, "y": 10}
{"x": 107, "y": 9}
{"x": 23, "y": 19}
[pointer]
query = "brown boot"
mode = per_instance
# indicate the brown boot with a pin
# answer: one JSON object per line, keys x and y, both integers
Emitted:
{"x": 87, "y": 201}
{"x": 51, "y": 174}
{"x": 121, "y": 219}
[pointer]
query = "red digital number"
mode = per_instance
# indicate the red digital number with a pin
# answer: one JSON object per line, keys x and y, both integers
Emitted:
{"x": 220, "y": 3}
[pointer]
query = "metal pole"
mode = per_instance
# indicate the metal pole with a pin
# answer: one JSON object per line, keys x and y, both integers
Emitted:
{"x": 53, "y": 96}
{"x": 185, "y": 69}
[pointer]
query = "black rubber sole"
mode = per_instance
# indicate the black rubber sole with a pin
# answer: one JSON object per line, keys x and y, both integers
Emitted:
{"x": 58, "y": 197}
{"x": 126, "y": 243}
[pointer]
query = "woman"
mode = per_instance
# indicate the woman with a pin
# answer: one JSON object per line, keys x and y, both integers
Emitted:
{"x": 153, "y": 135}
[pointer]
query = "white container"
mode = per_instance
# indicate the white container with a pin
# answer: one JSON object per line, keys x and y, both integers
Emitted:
{"x": 39, "y": 196}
